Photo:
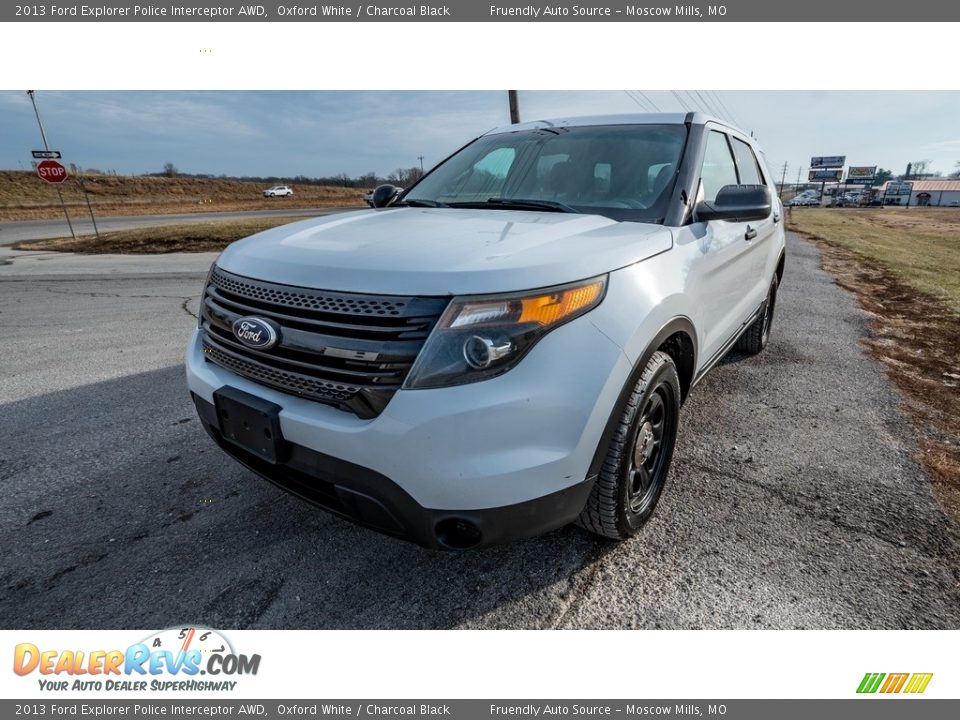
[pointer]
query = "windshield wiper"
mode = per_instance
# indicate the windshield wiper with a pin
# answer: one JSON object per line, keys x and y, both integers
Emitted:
{"x": 518, "y": 204}
{"x": 413, "y": 202}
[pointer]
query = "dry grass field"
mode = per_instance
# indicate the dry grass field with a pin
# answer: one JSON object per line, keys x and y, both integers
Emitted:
{"x": 24, "y": 196}
{"x": 919, "y": 246}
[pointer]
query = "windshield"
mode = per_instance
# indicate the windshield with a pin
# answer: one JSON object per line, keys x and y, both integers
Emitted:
{"x": 625, "y": 172}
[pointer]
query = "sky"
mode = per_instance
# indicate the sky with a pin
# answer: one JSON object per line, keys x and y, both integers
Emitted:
{"x": 281, "y": 133}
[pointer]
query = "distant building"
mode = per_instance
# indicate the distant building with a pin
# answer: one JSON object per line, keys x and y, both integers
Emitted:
{"x": 921, "y": 193}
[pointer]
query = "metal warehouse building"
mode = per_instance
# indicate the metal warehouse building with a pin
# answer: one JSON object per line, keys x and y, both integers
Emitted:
{"x": 931, "y": 193}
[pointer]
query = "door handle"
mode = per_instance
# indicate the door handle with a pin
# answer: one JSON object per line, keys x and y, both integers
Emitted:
{"x": 750, "y": 234}
{"x": 776, "y": 218}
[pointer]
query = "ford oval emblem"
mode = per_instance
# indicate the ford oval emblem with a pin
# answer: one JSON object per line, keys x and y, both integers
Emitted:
{"x": 255, "y": 333}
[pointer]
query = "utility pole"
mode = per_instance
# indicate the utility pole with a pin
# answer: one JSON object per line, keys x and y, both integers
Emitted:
{"x": 799, "y": 170}
{"x": 86, "y": 196}
{"x": 783, "y": 179}
{"x": 420, "y": 158}
{"x": 43, "y": 135}
{"x": 514, "y": 107}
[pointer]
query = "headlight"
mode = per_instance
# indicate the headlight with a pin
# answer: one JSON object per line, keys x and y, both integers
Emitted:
{"x": 481, "y": 337}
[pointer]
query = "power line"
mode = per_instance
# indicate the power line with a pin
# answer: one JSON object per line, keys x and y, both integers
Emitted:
{"x": 630, "y": 94}
{"x": 711, "y": 109}
{"x": 723, "y": 106}
{"x": 729, "y": 108}
{"x": 695, "y": 102}
{"x": 649, "y": 100}
{"x": 643, "y": 100}
{"x": 680, "y": 100}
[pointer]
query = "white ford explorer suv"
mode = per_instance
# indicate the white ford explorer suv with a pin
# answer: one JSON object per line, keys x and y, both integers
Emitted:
{"x": 504, "y": 347}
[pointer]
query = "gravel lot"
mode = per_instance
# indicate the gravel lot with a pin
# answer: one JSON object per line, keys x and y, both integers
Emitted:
{"x": 793, "y": 501}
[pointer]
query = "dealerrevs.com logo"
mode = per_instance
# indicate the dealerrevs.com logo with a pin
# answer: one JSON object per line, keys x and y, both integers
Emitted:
{"x": 172, "y": 659}
{"x": 884, "y": 683}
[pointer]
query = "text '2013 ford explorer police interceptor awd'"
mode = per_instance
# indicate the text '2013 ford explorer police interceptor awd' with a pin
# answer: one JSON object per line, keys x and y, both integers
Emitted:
{"x": 504, "y": 347}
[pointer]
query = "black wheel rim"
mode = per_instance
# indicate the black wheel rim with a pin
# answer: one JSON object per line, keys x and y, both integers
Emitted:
{"x": 649, "y": 452}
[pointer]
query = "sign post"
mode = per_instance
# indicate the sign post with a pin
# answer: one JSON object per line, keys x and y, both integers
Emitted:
{"x": 86, "y": 196}
{"x": 46, "y": 146}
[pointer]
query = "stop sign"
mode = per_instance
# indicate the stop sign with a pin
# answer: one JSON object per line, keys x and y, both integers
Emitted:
{"x": 52, "y": 171}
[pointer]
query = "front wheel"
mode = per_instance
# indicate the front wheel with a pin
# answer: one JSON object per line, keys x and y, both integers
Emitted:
{"x": 638, "y": 458}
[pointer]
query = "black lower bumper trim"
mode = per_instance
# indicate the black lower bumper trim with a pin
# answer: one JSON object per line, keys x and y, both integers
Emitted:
{"x": 375, "y": 501}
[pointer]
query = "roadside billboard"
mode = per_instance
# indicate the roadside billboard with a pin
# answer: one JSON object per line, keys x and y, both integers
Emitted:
{"x": 828, "y": 161}
{"x": 861, "y": 173}
{"x": 898, "y": 188}
{"x": 825, "y": 175}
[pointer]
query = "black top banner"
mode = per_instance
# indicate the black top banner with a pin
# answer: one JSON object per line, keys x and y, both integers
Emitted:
{"x": 489, "y": 11}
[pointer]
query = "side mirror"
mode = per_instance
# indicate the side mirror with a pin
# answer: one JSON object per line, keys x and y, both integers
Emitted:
{"x": 738, "y": 203}
{"x": 385, "y": 195}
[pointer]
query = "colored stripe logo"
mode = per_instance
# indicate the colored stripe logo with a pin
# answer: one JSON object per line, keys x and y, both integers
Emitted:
{"x": 913, "y": 683}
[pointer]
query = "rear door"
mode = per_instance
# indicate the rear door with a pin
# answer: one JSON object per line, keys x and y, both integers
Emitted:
{"x": 724, "y": 276}
{"x": 762, "y": 245}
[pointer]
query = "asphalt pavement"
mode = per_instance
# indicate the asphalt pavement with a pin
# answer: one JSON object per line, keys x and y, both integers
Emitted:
{"x": 793, "y": 502}
{"x": 22, "y": 230}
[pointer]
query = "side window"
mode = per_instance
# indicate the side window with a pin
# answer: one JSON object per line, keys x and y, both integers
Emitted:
{"x": 747, "y": 163}
{"x": 718, "y": 167}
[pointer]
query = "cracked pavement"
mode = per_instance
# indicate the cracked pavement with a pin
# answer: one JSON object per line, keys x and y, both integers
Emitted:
{"x": 794, "y": 500}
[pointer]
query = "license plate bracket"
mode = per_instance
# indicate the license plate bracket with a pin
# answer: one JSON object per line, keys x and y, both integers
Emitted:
{"x": 250, "y": 423}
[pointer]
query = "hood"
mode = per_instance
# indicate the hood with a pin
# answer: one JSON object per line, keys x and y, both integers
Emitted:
{"x": 442, "y": 251}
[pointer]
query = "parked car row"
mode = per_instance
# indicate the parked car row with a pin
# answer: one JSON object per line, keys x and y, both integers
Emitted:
{"x": 805, "y": 198}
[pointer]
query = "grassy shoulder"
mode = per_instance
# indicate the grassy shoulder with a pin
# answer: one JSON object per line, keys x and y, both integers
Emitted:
{"x": 918, "y": 246}
{"x": 904, "y": 268}
{"x": 186, "y": 237}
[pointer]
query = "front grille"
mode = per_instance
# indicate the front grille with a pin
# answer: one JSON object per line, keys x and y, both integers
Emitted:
{"x": 351, "y": 351}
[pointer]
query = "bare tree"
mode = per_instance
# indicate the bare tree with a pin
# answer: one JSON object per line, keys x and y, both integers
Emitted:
{"x": 368, "y": 180}
{"x": 405, "y": 177}
{"x": 169, "y": 169}
{"x": 918, "y": 168}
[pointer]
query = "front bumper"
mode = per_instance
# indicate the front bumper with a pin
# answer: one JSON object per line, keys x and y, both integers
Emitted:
{"x": 375, "y": 501}
{"x": 509, "y": 456}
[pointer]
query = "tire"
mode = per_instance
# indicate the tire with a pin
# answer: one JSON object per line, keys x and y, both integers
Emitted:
{"x": 633, "y": 475}
{"x": 755, "y": 337}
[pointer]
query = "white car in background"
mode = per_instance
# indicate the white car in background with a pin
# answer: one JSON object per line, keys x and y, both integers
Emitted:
{"x": 504, "y": 347}
{"x": 278, "y": 191}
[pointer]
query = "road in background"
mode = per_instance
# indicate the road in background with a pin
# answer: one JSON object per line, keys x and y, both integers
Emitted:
{"x": 22, "y": 230}
{"x": 793, "y": 501}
